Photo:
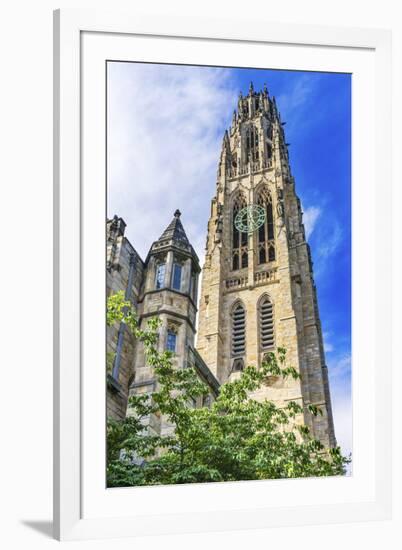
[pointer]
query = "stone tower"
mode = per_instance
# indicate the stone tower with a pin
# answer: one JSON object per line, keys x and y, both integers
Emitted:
{"x": 164, "y": 286}
{"x": 258, "y": 291}
{"x": 169, "y": 292}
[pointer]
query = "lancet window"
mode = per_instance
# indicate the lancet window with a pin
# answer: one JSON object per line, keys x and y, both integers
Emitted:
{"x": 266, "y": 324}
{"x": 266, "y": 233}
{"x": 238, "y": 330}
{"x": 239, "y": 238}
{"x": 252, "y": 140}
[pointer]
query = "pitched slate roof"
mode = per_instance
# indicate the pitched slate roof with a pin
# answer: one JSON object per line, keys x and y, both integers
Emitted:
{"x": 175, "y": 231}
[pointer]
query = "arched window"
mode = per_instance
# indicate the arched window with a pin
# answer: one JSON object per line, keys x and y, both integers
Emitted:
{"x": 252, "y": 152}
{"x": 238, "y": 330}
{"x": 239, "y": 239}
{"x": 269, "y": 151}
{"x": 266, "y": 233}
{"x": 266, "y": 324}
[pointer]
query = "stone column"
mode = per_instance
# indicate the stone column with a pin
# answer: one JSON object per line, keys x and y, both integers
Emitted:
{"x": 195, "y": 289}
{"x": 185, "y": 282}
{"x": 251, "y": 239}
{"x": 162, "y": 334}
{"x": 169, "y": 267}
{"x": 150, "y": 279}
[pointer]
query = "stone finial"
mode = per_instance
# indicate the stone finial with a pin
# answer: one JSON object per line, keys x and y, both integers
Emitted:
{"x": 177, "y": 213}
{"x": 251, "y": 89}
{"x": 117, "y": 225}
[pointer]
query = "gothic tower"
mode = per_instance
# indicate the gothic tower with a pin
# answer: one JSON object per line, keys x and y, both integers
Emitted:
{"x": 258, "y": 291}
{"x": 169, "y": 292}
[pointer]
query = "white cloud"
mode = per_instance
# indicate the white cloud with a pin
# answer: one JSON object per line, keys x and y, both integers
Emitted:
{"x": 329, "y": 244}
{"x": 310, "y": 217}
{"x": 297, "y": 95}
{"x": 340, "y": 367}
{"x": 327, "y": 239}
{"x": 339, "y": 370}
{"x": 342, "y": 413}
{"x": 294, "y": 102}
{"x": 165, "y": 128}
{"x": 328, "y": 346}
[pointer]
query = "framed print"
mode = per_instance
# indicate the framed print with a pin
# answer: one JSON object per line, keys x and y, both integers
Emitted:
{"x": 222, "y": 282}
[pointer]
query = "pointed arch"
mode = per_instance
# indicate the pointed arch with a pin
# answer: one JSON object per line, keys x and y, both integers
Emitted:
{"x": 266, "y": 233}
{"x": 266, "y": 323}
{"x": 239, "y": 239}
{"x": 252, "y": 143}
{"x": 238, "y": 330}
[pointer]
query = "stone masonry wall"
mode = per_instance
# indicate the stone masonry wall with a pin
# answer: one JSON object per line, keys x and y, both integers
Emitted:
{"x": 288, "y": 281}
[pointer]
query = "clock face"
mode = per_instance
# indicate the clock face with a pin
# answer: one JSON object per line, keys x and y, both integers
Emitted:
{"x": 250, "y": 218}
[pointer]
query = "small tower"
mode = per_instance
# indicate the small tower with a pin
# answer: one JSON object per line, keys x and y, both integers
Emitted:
{"x": 170, "y": 293}
{"x": 258, "y": 290}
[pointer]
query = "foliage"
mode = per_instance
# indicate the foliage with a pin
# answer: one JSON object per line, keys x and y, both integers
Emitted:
{"x": 236, "y": 438}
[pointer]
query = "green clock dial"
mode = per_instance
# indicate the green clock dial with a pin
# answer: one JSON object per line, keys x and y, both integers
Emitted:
{"x": 250, "y": 218}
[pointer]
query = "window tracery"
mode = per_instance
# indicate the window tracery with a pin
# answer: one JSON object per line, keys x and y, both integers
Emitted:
{"x": 266, "y": 233}
{"x": 239, "y": 239}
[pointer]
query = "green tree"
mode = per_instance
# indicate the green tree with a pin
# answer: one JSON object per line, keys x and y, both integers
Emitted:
{"x": 236, "y": 438}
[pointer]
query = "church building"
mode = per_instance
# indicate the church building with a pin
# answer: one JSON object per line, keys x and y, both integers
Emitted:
{"x": 257, "y": 286}
{"x": 164, "y": 285}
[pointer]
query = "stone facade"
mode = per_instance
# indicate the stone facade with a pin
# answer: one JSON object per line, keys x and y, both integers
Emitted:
{"x": 164, "y": 286}
{"x": 124, "y": 271}
{"x": 258, "y": 290}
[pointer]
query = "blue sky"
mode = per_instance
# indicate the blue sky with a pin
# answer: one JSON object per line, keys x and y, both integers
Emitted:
{"x": 165, "y": 128}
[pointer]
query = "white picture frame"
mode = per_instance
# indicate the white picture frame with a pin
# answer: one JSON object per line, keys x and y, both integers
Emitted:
{"x": 83, "y": 507}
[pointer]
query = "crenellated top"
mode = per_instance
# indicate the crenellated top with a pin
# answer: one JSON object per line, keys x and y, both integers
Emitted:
{"x": 255, "y": 140}
{"x": 253, "y": 105}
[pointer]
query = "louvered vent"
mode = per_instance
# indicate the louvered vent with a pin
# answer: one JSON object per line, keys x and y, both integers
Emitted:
{"x": 238, "y": 331}
{"x": 266, "y": 325}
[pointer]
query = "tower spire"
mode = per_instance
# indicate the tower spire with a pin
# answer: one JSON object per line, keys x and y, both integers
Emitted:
{"x": 175, "y": 231}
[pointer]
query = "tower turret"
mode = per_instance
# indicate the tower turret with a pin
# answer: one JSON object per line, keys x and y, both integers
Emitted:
{"x": 169, "y": 293}
{"x": 172, "y": 263}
